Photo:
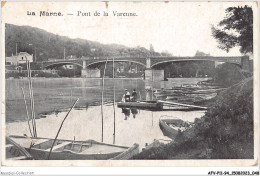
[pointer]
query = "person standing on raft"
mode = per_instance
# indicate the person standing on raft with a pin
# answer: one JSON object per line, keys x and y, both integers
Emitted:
{"x": 134, "y": 96}
{"x": 126, "y": 96}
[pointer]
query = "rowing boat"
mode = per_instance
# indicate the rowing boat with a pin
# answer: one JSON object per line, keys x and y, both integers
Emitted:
{"x": 191, "y": 98}
{"x": 171, "y": 127}
{"x": 14, "y": 151}
{"x": 40, "y": 148}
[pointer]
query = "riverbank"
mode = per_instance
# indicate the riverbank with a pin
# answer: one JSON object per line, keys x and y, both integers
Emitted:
{"x": 225, "y": 132}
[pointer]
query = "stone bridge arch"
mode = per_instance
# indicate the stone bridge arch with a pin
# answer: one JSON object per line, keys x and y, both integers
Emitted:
{"x": 53, "y": 65}
{"x": 103, "y": 61}
{"x": 232, "y": 60}
{"x": 147, "y": 62}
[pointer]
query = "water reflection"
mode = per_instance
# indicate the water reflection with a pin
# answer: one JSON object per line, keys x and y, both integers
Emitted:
{"x": 128, "y": 111}
{"x": 134, "y": 112}
{"x": 129, "y": 128}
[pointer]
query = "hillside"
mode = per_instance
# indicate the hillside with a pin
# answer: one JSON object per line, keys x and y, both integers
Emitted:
{"x": 49, "y": 45}
{"x": 226, "y": 131}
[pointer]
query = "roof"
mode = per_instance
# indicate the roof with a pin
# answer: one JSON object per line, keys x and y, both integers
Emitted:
{"x": 24, "y": 53}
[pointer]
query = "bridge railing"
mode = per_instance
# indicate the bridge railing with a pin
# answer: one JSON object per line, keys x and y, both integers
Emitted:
{"x": 33, "y": 71}
{"x": 94, "y": 58}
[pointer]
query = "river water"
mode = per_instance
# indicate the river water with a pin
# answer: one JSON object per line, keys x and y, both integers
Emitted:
{"x": 131, "y": 126}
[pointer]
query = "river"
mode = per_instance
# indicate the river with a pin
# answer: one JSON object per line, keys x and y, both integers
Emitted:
{"x": 52, "y": 95}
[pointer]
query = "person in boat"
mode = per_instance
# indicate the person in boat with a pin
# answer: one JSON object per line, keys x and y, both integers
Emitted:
{"x": 134, "y": 96}
{"x": 126, "y": 96}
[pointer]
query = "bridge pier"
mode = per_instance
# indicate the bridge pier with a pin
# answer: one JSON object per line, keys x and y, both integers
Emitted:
{"x": 153, "y": 75}
{"x": 90, "y": 73}
{"x": 84, "y": 64}
{"x": 245, "y": 65}
{"x": 148, "y": 62}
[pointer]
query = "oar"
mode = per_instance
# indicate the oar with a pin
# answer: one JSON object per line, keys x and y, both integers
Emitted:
{"x": 102, "y": 98}
{"x": 60, "y": 128}
{"x": 180, "y": 104}
{"x": 28, "y": 119}
{"x": 30, "y": 94}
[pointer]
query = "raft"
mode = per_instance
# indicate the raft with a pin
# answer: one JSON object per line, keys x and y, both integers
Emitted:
{"x": 152, "y": 105}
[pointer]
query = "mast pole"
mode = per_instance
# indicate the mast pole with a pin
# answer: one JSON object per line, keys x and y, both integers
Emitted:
{"x": 102, "y": 101}
{"x": 114, "y": 134}
{"x": 61, "y": 127}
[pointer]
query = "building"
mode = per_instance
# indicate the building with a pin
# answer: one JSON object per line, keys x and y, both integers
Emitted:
{"x": 21, "y": 58}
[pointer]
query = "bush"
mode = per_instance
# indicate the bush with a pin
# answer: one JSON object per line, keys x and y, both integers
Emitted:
{"x": 69, "y": 72}
{"x": 34, "y": 74}
{"x": 44, "y": 74}
{"x": 15, "y": 75}
{"x": 227, "y": 74}
{"x": 226, "y": 131}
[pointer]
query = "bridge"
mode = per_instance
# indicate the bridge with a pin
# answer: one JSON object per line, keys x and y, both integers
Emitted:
{"x": 147, "y": 62}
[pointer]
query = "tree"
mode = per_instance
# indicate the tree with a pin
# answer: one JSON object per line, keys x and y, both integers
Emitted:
{"x": 151, "y": 48}
{"x": 200, "y": 53}
{"x": 227, "y": 74}
{"x": 236, "y": 29}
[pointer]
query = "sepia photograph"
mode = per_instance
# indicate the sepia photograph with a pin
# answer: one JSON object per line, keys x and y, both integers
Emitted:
{"x": 129, "y": 83}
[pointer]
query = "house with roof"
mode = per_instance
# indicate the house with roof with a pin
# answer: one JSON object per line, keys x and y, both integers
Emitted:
{"x": 21, "y": 58}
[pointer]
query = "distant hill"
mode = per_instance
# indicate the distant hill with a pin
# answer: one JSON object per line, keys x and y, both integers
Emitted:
{"x": 49, "y": 45}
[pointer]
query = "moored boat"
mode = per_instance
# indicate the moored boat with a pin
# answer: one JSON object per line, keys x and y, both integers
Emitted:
{"x": 40, "y": 148}
{"x": 171, "y": 127}
{"x": 192, "y": 98}
{"x": 14, "y": 151}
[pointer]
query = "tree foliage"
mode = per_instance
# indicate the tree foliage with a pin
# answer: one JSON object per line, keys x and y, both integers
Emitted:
{"x": 200, "y": 53}
{"x": 227, "y": 74}
{"x": 236, "y": 29}
{"x": 187, "y": 69}
{"x": 50, "y": 45}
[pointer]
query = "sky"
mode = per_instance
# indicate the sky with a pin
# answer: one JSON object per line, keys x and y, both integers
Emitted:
{"x": 177, "y": 27}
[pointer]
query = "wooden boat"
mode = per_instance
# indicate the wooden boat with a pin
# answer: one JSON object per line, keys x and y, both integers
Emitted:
{"x": 153, "y": 105}
{"x": 192, "y": 98}
{"x": 39, "y": 148}
{"x": 207, "y": 83}
{"x": 167, "y": 92}
{"x": 14, "y": 151}
{"x": 171, "y": 127}
{"x": 180, "y": 99}
{"x": 188, "y": 90}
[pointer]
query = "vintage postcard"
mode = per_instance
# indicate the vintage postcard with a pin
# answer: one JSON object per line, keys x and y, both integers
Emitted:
{"x": 129, "y": 83}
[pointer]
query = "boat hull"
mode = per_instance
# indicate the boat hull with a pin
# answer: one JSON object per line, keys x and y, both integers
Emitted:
{"x": 15, "y": 151}
{"x": 74, "y": 150}
{"x": 167, "y": 130}
{"x": 67, "y": 155}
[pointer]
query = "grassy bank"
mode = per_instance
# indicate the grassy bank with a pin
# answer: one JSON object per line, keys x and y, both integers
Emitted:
{"x": 225, "y": 132}
{"x": 25, "y": 75}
